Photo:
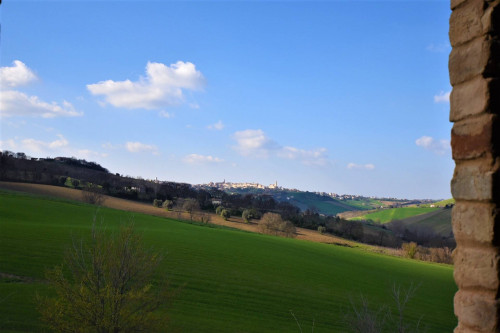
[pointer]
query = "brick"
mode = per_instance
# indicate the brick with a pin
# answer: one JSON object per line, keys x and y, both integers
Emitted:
{"x": 476, "y": 222}
{"x": 474, "y": 58}
{"x": 477, "y": 310}
{"x": 473, "y": 180}
{"x": 466, "y": 23}
{"x": 476, "y": 268}
{"x": 472, "y": 138}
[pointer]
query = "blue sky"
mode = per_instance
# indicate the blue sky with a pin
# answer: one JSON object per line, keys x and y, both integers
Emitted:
{"x": 335, "y": 96}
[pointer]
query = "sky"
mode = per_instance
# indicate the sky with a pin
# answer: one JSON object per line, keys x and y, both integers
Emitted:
{"x": 335, "y": 96}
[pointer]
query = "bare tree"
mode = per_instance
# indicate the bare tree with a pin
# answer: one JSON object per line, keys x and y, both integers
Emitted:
{"x": 190, "y": 206}
{"x": 93, "y": 195}
{"x": 109, "y": 288}
{"x": 273, "y": 224}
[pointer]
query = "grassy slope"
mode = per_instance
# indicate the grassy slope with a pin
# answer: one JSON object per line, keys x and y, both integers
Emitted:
{"x": 439, "y": 220}
{"x": 233, "y": 281}
{"x": 387, "y": 215}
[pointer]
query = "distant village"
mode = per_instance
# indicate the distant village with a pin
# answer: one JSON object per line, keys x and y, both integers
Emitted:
{"x": 228, "y": 186}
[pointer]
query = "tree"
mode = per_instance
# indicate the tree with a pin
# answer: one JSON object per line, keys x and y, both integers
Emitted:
{"x": 218, "y": 210}
{"x": 168, "y": 204}
{"x": 92, "y": 194}
{"x": 273, "y": 224}
{"x": 190, "y": 206}
{"x": 109, "y": 287}
{"x": 249, "y": 214}
{"x": 225, "y": 214}
{"x": 157, "y": 203}
{"x": 410, "y": 249}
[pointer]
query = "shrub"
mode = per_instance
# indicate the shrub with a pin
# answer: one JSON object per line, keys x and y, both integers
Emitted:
{"x": 157, "y": 203}
{"x": 410, "y": 249}
{"x": 168, "y": 204}
{"x": 225, "y": 213}
{"x": 321, "y": 229}
{"x": 249, "y": 214}
{"x": 109, "y": 287}
{"x": 218, "y": 210}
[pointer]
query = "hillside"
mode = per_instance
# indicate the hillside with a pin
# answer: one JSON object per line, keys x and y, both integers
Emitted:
{"x": 232, "y": 281}
{"x": 388, "y": 215}
{"x": 323, "y": 204}
{"x": 439, "y": 220}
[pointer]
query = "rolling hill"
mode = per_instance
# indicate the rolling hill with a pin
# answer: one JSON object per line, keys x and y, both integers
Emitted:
{"x": 388, "y": 215}
{"x": 232, "y": 281}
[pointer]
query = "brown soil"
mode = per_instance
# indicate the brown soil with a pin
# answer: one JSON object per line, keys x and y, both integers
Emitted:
{"x": 139, "y": 207}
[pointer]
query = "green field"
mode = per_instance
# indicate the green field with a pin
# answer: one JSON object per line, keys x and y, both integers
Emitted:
{"x": 388, "y": 215}
{"x": 233, "y": 281}
{"x": 439, "y": 220}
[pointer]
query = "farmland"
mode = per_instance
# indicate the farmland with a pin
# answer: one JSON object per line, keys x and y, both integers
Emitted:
{"x": 230, "y": 280}
{"x": 387, "y": 215}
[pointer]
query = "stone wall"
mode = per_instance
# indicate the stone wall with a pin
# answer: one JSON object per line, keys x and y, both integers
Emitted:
{"x": 474, "y": 67}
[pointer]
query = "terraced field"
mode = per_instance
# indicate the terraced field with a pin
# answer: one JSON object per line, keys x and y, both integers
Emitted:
{"x": 232, "y": 280}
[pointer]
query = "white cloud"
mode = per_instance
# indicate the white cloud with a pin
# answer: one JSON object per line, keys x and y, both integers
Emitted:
{"x": 354, "y": 166}
{"x": 138, "y": 147}
{"x": 429, "y": 143}
{"x": 17, "y": 75}
{"x": 218, "y": 126}
{"x": 201, "y": 159}
{"x": 165, "y": 114}
{"x": 162, "y": 87}
{"x": 57, "y": 147}
{"x": 42, "y": 146}
{"x": 15, "y": 103}
{"x": 308, "y": 157}
{"x": 255, "y": 143}
{"x": 8, "y": 145}
{"x": 442, "y": 97}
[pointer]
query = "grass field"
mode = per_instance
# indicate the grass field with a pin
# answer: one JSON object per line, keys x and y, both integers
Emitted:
{"x": 233, "y": 281}
{"x": 439, "y": 220}
{"x": 388, "y": 215}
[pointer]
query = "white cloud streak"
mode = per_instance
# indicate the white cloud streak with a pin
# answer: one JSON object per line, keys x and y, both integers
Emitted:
{"x": 15, "y": 103}
{"x": 57, "y": 147}
{"x": 255, "y": 143}
{"x": 138, "y": 147}
{"x": 17, "y": 75}
{"x": 442, "y": 97}
{"x": 201, "y": 159}
{"x": 218, "y": 126}
{"x": 354, "y": 166}
{"x": 437, "y": 146}
{"x": 162, "y": 87}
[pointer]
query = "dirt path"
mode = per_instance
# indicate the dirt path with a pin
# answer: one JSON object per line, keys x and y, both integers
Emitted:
{"x": 133, "y": 206}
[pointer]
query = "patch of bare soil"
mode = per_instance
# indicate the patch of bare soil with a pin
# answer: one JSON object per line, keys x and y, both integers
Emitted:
{"x": 139, "y": 207}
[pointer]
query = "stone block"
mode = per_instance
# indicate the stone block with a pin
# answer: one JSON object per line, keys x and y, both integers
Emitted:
{"x": 476, "y": 223}
{"x": 472, "y": 137}
{"x": 473, "y": 180}
{"x": 476, "y": 268}
{"x": 474, "y": 58}
{"x": 470, "y": 98}
{"x": 466, "y": 23}
{"x": 477, "y": 310}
